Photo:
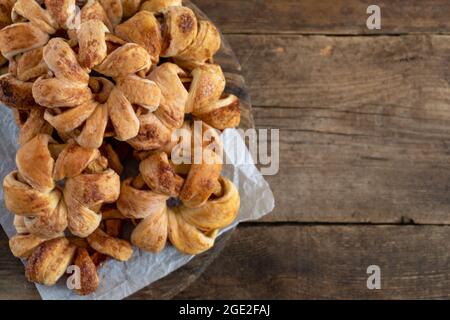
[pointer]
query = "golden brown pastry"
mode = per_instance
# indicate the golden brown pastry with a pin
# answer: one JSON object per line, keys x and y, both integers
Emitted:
{"x": 160, "y": 176}
{"x": 92, "y": 43}
{"x": 69, "y": 86}
{"x": 31, "y": 10}
{"x": 207, "y": 101}
{"x": 127, "y": 59}
{"x": 73, "y": 160}
{"x": 49, "y": 261}
{"x": 179, "y": 30}
{"x": 130, "y": 7}
{"x": 30, "y": 65}
{"x": 113, "y": 9}
{"x": 5, "y": 12}
{"x": 204, "y": 172}
{"x": 31, "y": 123}
{"x": 21, "y": 199}
{"x": 140, "y": 92}
{"x": 35, "y": 163}
{"x": 218, "y": 212}
{"x": 208, "y": 83}
{"x": 186, "y": 237}
{"x": 151, "y": 233}
{"x": 117, "y": 248}
{"x": 88, "y": 272}
{"x": 157, "y": 6}
{"x": 122, "y": 115}
{"x": 22, "y": 245}
{"x": 203, "y": 48}
{"x": 15, "y": 93}
{"x": 50, "y": 226}
{"x": 222, "y": 114}
{"x": 62, "y": 11}
{"x": 173, "y": 92}
{"x": 84, "y": 195}
{"x": 67, "y": 120}
{"x": 137, "y": 202}
{"x": 21, "y": 37}
{"x": 191, "y": 231}
{"x": 143, "y": 29}
{"x": 93, "y": 10}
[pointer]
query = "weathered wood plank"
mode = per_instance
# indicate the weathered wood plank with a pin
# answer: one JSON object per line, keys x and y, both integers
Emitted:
{"x": 322, "y": 262}
{"x": 364, "y": 124}
{"x": 326, "y": 16}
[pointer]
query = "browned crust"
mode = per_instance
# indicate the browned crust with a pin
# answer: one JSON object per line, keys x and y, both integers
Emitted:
{"x": 88, "y": 272}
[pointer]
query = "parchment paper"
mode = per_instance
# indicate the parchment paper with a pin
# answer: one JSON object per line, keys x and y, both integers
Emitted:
{"x": 120, "y": 279}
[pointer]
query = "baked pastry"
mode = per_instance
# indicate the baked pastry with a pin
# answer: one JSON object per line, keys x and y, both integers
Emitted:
{"x": 88, "y": 90}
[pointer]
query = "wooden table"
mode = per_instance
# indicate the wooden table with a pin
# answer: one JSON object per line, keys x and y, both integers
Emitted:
{"x": 364, "y": 119}
{"x": 365, "y": 150}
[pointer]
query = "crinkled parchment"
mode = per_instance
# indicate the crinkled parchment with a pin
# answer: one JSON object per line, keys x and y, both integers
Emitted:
{"x": 120, "y": 279}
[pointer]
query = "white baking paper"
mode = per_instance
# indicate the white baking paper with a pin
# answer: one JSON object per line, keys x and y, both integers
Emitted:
{"x": 121, "y": 279}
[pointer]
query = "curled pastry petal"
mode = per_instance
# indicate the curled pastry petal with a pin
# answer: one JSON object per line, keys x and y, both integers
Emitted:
{"x": 88, "y": 272}
{"x": 158, "y": 6}
{"x": 153, "y": 134}
{"x": 127, "y": 59}
{"x": 21, "y": 37}
{"x": 53, "y": 92}
{"x": 178, "y": 30}
{"x": 92, "y": 44}
{"x": 114, "y": 10}
{"x": 93, "y": 10}
{"x": 92, "y": 134}
{"x": 62, "y": 11}
{"x": 32, "y": 11}
{"x": 205, "y": 45}
{"x": 23, "y": 200}
{"x": 35, "y": 163}
{"x": 208, "y": 83}
{"x": 160, "y": 176}
{"x": 71, "y": 118}
{"x": 50, "y": 226}
{"x": 217, "y": 212}
{"x": 174, "y": 94}
{"x": 31, "y": 123}
{"x": 117, "y": 248}
{"x": 122, "y": 115}
{"x": 63, "y": 62}
{"x": 151, "y": 233}
{"x": 186, "y": 237}
{"x": 222, "y": 114}
{"x": 31, "y": 65}
{"x": 143, "y": 29}
{"x": 73, "y": 160}
{"x": 139, "y": 204}
{"x": 49, "y": 261}
{"x": 15, "y": 93}
{"x": 22, "y": 245}
{"x": 84, "y": 194}
{"x": 139, "y": 91}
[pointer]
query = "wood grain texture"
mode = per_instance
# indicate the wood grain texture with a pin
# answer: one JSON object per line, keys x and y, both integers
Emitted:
{"x": 328, "y": 262}
{"x": 327, "y": 16}
{"x": 363, "y": 124}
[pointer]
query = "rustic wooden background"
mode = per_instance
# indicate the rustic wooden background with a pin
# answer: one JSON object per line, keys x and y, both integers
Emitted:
{"x": 365, "y": 149}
